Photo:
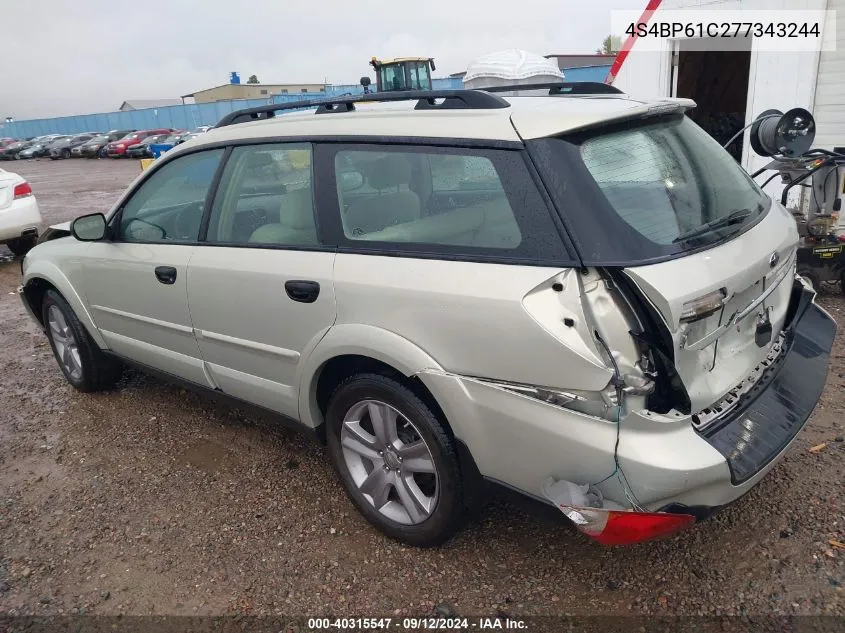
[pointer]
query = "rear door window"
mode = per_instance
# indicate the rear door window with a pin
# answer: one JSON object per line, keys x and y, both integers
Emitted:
{"x": 457, "y": 201}
{"x": 265, "y": 197}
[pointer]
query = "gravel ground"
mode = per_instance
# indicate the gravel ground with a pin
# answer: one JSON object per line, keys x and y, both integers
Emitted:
{"x": 153, "y": 500}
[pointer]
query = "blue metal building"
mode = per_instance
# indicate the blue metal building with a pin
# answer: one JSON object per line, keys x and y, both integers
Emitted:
{"x": 180, "y": 117}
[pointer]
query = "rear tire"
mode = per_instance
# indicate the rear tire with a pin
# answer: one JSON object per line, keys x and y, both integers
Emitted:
{"x": 395, "y": 460}
{"x": 22, "y": 245}
{"x": 82, "y": 362}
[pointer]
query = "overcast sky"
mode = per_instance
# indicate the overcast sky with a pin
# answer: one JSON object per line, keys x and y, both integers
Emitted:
{"x": 61, "y": 57}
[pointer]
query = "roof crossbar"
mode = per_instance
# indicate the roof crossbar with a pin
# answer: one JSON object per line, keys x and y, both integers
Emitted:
{"x": 562, "y": 88}
{"x": 474, "y": 99}
{"x": 426, "y": 100}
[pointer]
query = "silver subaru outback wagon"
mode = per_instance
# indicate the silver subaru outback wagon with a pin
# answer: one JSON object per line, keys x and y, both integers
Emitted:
{"x": 554, "y": 294}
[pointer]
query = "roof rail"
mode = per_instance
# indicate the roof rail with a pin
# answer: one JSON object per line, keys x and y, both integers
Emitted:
{"x": 426, "y": 100}
{"x": 562, "y": 88}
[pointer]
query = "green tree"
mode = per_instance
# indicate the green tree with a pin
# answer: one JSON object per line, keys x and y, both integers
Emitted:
{"x": 253, "y": 80}
{"x": 610, "y": 45}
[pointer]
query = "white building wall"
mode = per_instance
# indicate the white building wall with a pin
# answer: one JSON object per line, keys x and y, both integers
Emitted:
{"x": 776, "y": 80}
{"x": 829, "y": 104}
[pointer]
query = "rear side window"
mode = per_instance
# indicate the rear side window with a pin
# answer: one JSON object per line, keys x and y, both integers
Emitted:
{"x": 443, "y": 200}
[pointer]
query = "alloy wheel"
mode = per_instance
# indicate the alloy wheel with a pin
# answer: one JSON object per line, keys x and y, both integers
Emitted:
{"x": 67, "y": 347}
{"x": 390, "y": 462}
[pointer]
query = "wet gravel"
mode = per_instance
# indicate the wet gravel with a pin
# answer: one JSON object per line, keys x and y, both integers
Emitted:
{"x": 153, "y": 500}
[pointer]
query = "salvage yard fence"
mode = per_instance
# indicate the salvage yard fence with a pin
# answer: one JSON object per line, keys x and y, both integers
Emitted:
{"x": 179, "y": 117}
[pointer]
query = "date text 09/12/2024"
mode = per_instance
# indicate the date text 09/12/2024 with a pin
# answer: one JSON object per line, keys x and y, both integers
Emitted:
{"x": 416, "y": 624}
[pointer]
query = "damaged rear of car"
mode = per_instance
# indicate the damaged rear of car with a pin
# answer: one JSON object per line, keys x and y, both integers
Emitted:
{"x": 716, "y": 352}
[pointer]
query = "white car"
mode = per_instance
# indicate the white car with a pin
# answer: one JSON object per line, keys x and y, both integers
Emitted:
{"x": 19, "y": 215}
{"x": 581, "y": 298}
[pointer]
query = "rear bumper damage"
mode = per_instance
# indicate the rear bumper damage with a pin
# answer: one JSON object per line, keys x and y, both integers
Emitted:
{"x": 664, "y": 467}
{"x": 749, "y": 439}
{"x": 781, "y": 401}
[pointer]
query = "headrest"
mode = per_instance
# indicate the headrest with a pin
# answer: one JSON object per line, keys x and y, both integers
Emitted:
{"x": 297, "y": 209}
{"x": 259, "y": 159}
{"x": 390, "y": 171}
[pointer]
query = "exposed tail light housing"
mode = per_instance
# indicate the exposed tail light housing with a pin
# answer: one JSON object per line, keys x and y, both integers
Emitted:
{"x": 615, "y": 527}
{"x": 583, "y": 505}
{"x": 22, "y": 190}
{"x": 703, "y": 306}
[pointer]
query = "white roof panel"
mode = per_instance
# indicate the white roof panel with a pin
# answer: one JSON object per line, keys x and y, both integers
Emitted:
{"x": 526, "y": 118}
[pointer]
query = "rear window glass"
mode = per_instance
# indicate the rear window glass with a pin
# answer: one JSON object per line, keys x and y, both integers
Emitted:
{"x": 666, "y": 181}
{"x": 652, "y": 190}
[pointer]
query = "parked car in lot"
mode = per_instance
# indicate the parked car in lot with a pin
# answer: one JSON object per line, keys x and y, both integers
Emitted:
{"x": 63, "y": 148}
{"x": 581, "y": 298}
{"x": 142, "y": 149}
{"x": 14, "y": 150}
{"x": 41, "y": 148}
{"x": 96, "y": 147}
{"x": 117, "y": 149}
{"x": 90, "y": 148}
{"x": 19, "y": 215}
{"x": 10, "y": 151}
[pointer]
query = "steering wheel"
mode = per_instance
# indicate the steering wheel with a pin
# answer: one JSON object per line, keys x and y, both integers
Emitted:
{"x": 141, "y": 230}
{"x": 188, "y": 220}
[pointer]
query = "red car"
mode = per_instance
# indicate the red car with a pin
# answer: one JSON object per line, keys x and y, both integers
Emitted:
{"x": 117, "y": 148}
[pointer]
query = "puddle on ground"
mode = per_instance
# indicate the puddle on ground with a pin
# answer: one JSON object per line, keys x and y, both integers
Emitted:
{"x": 207, "y": 456}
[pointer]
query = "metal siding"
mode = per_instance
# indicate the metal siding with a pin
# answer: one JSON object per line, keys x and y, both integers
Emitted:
{"x": 185, "y": 116}
{"x": 830, "y": 88}
{"x": 586, "y": 73}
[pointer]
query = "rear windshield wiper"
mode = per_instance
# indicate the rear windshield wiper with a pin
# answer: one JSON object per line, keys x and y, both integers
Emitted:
{"x": 737, "y": 216}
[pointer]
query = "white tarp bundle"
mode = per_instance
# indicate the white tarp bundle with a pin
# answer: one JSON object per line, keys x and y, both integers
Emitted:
{"x": 512, "y": 67}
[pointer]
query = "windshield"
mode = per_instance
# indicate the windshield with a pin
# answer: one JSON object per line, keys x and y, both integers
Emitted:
{"x": 656, "y": 189}
{"x": 393, "y": 77}
{"x": 129, "y": 136}
{"x": 97, "y": 139}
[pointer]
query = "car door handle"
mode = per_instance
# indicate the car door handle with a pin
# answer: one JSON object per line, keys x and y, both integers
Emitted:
{"x": 166, "y": 274}
{"x": 302, "y": 291}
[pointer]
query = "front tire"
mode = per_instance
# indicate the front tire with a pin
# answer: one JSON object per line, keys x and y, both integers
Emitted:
{"x": 395, "y": 460}
{"x": 22, "y": 245}
{"x": 80, "y": 359}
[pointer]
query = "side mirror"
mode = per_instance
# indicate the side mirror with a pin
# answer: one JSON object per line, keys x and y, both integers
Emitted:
{"x": 350, "y": 180}
{"x": 89, "y": 228}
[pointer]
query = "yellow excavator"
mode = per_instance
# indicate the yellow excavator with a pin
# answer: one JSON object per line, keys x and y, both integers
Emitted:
{"x": 401, "y": 73}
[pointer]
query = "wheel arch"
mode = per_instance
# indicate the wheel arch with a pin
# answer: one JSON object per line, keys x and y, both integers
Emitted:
{"x": 354, "y": 348}
{"x": 349, "y": 349}
{"x": 42, "y": 276}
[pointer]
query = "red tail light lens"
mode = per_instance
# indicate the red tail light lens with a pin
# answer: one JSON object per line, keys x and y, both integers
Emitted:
{"x": 612, "y": 527}
{"x": 22, "y": 190}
